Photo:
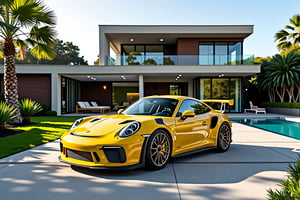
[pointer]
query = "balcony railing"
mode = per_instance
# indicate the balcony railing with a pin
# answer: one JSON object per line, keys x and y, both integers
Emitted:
{"x": 182, "y": 60}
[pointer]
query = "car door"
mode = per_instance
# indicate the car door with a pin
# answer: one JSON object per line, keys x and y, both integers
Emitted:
{"x": 192, "y": 132}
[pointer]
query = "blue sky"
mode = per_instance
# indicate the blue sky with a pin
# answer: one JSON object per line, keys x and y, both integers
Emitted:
{"x": 78, "y": 20}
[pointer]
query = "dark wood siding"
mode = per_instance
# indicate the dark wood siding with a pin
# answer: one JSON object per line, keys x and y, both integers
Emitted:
{"x": 156, "y": 89}
{"x": 94, "y": 91}
{"x": 36, "y": 87}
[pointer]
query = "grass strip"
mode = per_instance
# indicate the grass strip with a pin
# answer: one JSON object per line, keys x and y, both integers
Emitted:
{"x": 44, "y": 130}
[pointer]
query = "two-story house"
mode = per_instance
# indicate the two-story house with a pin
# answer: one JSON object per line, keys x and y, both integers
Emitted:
{"x": 202, "y": 61}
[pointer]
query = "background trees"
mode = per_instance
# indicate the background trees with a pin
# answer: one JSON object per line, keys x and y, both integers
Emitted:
{"x": 66, "y": 54}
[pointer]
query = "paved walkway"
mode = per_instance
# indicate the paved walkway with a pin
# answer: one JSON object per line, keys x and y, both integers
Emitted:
{"x": 256, "y": 161}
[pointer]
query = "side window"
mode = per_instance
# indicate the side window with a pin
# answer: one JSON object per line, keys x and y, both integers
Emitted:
{"x": 195, "y": 106}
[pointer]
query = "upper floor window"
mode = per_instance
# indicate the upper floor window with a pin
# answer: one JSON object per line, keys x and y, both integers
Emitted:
{"x": 142, "y": 54}
{"x": 220, "y": 53}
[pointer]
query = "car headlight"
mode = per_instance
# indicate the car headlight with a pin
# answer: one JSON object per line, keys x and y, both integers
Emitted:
{"x": 76, "y": 123}
{"x": 130, "y": 129}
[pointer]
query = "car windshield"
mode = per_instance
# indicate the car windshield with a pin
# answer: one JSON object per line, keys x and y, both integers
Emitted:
{"x": 152, "y": 106}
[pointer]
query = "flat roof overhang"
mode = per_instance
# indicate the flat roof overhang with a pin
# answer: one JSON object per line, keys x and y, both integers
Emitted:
{"x": 131, "y": 73}
{"x": 151, "y": 34}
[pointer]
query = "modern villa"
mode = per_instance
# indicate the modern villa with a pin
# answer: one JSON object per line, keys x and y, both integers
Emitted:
{"x": 202, "y": 61}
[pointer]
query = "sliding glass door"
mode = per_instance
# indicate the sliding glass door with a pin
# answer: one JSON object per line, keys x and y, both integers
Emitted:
{"x": 221, "y": 88}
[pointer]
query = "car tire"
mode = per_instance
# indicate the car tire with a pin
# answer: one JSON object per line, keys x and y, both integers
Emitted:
{"x": 224, "y": 137}
{"x": 158, "y": 150}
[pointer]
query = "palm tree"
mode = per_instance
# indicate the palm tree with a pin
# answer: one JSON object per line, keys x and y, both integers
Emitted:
{"x": 289, "y": 38}
{"x": 24, "y": 23}
{"x": 281, "y": 75}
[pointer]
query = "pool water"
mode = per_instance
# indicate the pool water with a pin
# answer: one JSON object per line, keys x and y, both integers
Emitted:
{"x": 280, "y": 126}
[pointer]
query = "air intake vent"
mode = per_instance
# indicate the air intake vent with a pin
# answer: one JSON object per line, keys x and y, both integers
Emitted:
{"x": 94, "y": 120}
{"x": 126, "y": 122}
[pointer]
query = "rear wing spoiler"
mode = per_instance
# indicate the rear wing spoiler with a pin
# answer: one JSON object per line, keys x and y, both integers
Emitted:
{"x": 221, "y": 101}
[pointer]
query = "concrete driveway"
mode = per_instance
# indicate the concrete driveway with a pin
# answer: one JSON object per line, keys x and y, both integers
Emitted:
{"x": 256, "y": 161}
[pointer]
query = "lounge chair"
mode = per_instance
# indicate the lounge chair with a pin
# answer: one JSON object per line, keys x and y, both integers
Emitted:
{"x": 85, "y": 106}
{"x": 255, "y": 109}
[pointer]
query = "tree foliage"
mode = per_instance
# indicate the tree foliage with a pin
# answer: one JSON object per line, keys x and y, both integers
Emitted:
{"x": 288, "y": 39}
{"x": 281, "y": 77}
{"x": 66, "y": 54}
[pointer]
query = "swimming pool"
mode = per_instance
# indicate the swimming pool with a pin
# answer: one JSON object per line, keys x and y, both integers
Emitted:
{"x": 276, "y": 125}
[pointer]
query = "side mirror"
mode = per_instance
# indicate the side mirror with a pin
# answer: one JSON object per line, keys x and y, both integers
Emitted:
{"x": 186, "y": 114}
{"x": 120, "y": 111}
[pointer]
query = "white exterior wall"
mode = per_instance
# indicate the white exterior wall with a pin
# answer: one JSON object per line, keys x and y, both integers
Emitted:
{"x": 56, "y": 92}
{"x": 143, "y": 74}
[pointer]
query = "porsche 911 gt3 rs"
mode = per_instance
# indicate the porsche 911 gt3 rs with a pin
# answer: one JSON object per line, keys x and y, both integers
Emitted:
{"x": 148, "y": 133}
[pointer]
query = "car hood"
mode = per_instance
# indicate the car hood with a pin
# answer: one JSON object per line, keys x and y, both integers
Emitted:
{"x": 103, "y": 125}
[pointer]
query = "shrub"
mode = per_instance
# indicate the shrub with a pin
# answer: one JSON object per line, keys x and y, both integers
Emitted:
{"x": 51, "y": 113}
{"x": 45, "y": 108}
{"x": 7, "y": 113}
{"x": 29, "y": 108}
{"x": 290, "y": 187}
{"x": 281, "y": 104}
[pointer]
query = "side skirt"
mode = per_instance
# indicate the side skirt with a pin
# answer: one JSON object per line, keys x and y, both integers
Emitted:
{"x": 193, "y": 152}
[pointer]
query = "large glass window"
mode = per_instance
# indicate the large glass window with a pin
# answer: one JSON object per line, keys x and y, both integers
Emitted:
{"x": 235, "y": 53}
{"x": 206, "y": 51}
{"x": 125, "y": 94}
{"x": 220, "y": 53}
{"x": 70, "y": 94}
{"x": 221, "y": 88}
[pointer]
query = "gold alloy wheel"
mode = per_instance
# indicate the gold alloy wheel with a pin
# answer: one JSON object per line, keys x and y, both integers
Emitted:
{"x": 160, "y": 148}
{"x": 224, "y": 137}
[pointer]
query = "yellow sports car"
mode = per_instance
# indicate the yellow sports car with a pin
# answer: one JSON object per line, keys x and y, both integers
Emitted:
{"x": 148, "y": 133}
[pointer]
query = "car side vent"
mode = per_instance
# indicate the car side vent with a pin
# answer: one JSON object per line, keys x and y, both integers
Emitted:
{"x": 126, "y": 121}
{"x": 159, "y": 121}
{"x": 94, "y": 120}
{"x": 214, "y": 121}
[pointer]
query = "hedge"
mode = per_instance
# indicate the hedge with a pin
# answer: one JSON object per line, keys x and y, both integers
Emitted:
{"x": 281, "y": 104}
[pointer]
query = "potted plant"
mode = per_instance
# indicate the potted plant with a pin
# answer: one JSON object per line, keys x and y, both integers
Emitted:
{"x": 29, "y": 108}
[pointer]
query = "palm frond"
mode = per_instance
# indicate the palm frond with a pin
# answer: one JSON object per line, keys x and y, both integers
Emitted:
{"x": 32, "y": 12}
{"x": 281, "y": 34}
{"x": 295, "y": 20}
{"x": 43, "y": 51}
{"x": 289, "y": 27}
{"x": 45, "y": 34}
{"x": 7, "y": 27}
{"x": 290, "y": 35}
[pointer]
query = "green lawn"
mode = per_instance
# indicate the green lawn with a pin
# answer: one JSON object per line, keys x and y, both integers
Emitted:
{"x": 46, "y": 129}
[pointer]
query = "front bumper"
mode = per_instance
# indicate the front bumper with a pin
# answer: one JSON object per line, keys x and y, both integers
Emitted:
{"x": 113, "y": 155}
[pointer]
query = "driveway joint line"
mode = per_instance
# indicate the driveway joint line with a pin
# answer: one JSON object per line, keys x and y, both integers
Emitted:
{"x": 176, "y": 180}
